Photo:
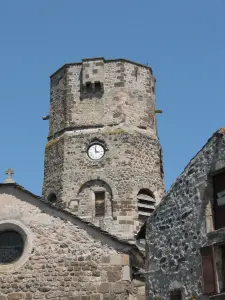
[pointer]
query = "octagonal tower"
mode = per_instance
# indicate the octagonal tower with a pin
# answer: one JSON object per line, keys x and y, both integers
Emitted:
{"x": 103, "y": 158}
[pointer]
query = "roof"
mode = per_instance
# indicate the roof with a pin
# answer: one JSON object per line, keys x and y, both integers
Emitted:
{"x": 125, "y": 246}
{"x": 105, "y": 61}
{"x": 141, "y": 233}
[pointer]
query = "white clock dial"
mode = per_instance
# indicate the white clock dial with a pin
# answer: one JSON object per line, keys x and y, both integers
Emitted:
{"x": 96, "y": 151}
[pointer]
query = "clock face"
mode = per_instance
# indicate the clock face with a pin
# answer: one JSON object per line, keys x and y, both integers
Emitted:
{"x": 96, "y": 151}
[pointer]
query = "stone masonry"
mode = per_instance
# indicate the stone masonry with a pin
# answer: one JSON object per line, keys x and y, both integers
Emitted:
{"x": 64, "y": 257}
{"x": 111, "y": 102}
{"x": 182, "y": 224}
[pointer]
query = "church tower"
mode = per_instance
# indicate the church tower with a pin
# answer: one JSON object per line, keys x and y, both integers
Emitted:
{"x": 103, "y": 158}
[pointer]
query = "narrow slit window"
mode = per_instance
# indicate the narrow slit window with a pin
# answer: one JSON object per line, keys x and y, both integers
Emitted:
{"x": 99, "y": 203}
{"x": 98, "y": 88}
{"x": 88, "y": 87}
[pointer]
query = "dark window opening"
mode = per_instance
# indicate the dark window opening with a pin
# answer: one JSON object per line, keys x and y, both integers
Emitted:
{"x": 219, "y": 200}
{"x": 52, "y": 198}
{"x": 98, "y": 88}
{"x": 175, "y": 295}
{"x": 88, "y": 87}
{"x": 146, "y": 204}
{"x": 11, "y": 246}
{"x": 99, "y": 203}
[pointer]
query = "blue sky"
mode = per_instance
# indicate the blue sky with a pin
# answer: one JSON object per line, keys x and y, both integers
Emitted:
{"x": 183, "y": 41}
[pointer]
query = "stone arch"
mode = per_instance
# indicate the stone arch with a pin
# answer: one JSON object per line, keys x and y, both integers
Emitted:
{"x": 147, "y": 187}
{"x": 95, "y": 199}
{"x": 102, "y": 178}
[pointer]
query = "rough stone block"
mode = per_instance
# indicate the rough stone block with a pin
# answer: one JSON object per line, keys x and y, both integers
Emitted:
{"x": 118, "y": 288}
{"x": 113, "y": 276}
{"x": 125, "y": 260}
{"x": 16, "y": 296}
{"x": 106, "y": 259}
{"x": 126, "y": 273}
{"x": 104, "y": 287}
{"x": 116, "y": 260}
{"x": 95, "y": 297}
{"x": 141, "y": 290}
{"x": 111, "y": 296}
{"x": 29, "y": 296}
{"x": 140, "y": 297}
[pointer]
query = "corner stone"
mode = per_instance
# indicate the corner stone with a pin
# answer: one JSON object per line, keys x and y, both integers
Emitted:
{"x": 116, "y": 260}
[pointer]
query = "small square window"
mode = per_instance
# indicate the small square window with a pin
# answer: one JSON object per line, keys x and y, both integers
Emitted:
{"x": 175, "y": 295}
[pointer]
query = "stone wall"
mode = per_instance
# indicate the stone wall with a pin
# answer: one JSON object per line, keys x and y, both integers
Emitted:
{"x": 65, "y": 261}
{"x": 129, "y": 97}
{"x": 181, "y": 225}
{"x": 132, "y": 162}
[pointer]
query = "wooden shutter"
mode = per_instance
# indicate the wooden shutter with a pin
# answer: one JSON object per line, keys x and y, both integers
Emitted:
{"x": 208, "y": 271}
{"x": 175, "y": 295}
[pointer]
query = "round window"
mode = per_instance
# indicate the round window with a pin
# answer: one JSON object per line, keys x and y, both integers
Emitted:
{"x": 11, "y": 246}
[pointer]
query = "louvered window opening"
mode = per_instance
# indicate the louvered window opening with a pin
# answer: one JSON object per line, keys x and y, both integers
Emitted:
{"x": 11, "y": 246}
{"x": 146, "y": 204}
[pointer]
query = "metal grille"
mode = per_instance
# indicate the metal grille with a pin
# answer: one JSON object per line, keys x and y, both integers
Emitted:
{"x": 11, "y": 246}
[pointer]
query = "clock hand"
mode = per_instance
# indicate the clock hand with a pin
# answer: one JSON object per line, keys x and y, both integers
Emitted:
{"x": 96, "y": 150}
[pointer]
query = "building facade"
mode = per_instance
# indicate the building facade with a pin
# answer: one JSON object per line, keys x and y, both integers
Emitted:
{"x": 47, "y": 253}
{"x": 185, "y": 235}
{"x": 103, "y": 159}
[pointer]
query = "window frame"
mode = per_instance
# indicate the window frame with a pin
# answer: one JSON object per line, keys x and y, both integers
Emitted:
{"x": 28, "y": 244}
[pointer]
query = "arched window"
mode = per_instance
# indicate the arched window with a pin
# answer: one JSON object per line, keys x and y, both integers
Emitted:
{"x": 52, "y": 198}
{"x": 95, "y": 200}
{"x": 146, "y": 204}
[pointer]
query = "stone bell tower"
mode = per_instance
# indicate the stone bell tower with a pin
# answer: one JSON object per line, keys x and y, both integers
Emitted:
{"x": 103, "y": 158}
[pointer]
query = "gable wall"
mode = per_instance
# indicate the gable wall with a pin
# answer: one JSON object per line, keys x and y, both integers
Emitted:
{"x": 178, "y": 227}
{"x": 65, "y": 261}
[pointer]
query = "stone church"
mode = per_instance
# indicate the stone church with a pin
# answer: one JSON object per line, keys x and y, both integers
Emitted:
{"x": 103, "y": 177}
